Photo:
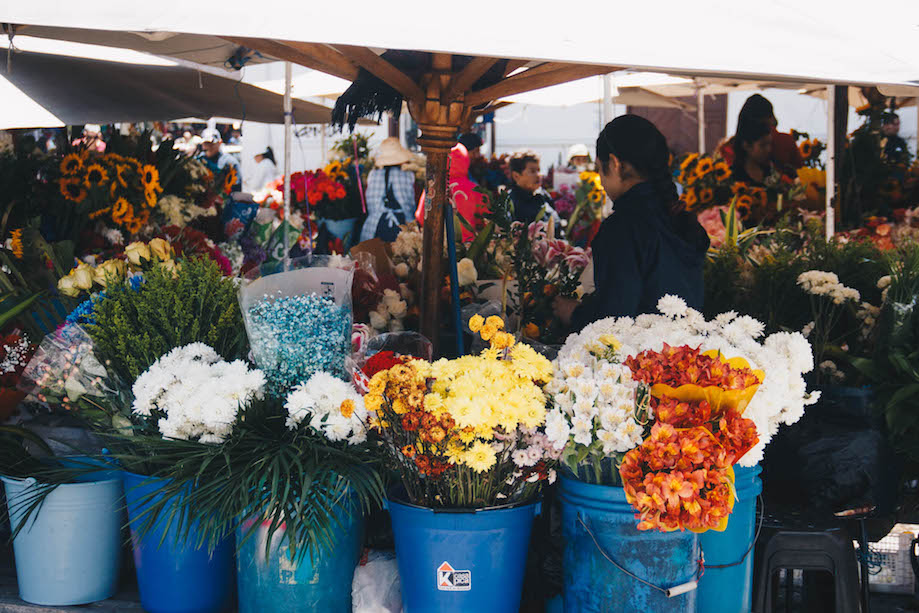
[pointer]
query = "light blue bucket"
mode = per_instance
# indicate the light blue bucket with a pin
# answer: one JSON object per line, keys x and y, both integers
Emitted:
{"x": 317, "y": 582}
{"x": 70, "y": 551}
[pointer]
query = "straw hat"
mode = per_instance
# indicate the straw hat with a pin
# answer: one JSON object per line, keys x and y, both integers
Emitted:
{"x": 392, "y": 153}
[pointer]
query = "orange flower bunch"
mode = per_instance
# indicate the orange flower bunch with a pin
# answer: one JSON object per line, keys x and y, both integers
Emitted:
{"x": 319, "y": 187}
{"x": 676, "y": 366}
{"x": 679, "y": 479}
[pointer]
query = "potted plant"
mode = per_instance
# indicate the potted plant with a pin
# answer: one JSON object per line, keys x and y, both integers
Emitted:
{"x": 465, "y": 437}
{"x": 624, "y": 389}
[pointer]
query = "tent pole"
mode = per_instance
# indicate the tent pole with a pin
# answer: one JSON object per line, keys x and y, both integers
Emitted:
{"x": 831, "y": 160}
{"x": 607, "y": 109}
{"x": 700, "y": 116}
{"x": 325, "y": 150}
{"x": 288, "y": 111}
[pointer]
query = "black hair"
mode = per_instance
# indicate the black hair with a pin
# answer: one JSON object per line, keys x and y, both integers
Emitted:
{"x": 638, "y": 142}
{"x": 518, "y": 162}
{"x": 470, "y": 140}
{"x": 756, "y": 109}
{"x": 748, "y": 133}
{"x": 268, "y": 153}
{"x": 889, "y": 117}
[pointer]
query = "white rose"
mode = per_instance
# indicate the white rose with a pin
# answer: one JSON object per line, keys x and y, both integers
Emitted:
{"x": 377, "y": 322}
{"x": 83, "y": 276}
{"x": 136, "y": 252}
{"x": 466, "y": 272}
{"x": 399, "y": 309}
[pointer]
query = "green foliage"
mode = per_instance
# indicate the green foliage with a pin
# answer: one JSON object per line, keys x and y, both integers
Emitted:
{"x": 264, "y": 470}
{"x": 134, "y": 328}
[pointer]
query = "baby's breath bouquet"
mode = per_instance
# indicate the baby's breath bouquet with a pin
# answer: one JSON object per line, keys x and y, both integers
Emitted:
{"x": 467, "y": 432}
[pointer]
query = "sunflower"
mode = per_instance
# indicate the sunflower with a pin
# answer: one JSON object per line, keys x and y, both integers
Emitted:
{"x": 691, "y": 179}
{"x": 16, "y": 243}
{"x": 150, "y": 177}
{"x": 95, "y": 176}
{"x": 759, "y": 195}
{"x": 120, "y": 169}
{"x": 229, "y": 181}
{"x": 71, "y": 164}
{"x": 99, "y": 213}
{"x": 113, "y": 158}
{"x": 704, "y": 167}
{"x": 150, "y": 198}
{"x": 122, "y": 211}
{"x": 740, "y": 188}
{"x": 595, "y": 196}
{"x": 73, "y": 189}
{"x": 806, "y": 149}
{"x": 134, "y": 225}
{"x": 722, "y": 171}
{"x": 688, "y": 160}
{"x": 744, "y": 202}
{"x": 690, "y": 199}
{"x": 706, "y": 195}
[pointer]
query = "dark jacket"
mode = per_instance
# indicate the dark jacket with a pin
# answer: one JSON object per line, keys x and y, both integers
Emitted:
{"x": 642, "y": 253}
{"x": 527, "y": 205}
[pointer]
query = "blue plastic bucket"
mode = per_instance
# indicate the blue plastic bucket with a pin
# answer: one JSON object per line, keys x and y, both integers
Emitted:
{"x": 730, "y": 590}
{"x": 593, "y": 583}
{"x": 68, "y": 553}
{"x": 457, "y": 561}
{"x": 173, "y": 577}
{"x": 317, "y": 582}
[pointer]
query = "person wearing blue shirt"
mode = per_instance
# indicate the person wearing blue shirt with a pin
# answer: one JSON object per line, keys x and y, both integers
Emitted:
{"x": 216, "y": 159}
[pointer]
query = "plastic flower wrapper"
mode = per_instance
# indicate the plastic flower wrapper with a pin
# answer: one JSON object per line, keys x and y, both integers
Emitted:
{"x": 385, "y": 351}
{"x": 65, "y": 372}
{"x": 784, "y": 357}
{"x": 467, "y": 432}
{"x": 191, "y": 393}
{"x": 299, "y": 321}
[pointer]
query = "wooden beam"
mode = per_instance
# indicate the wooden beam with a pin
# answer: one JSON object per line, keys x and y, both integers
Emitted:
{"x": 284, "y": 52}
{"x": 513, "y": 65}
{"x": 465, "y": 78}
{"x": 325, "y": 54}
{"x": 523, "y": 82}
{"x": 491, "y": 108}
{"x": 380, "y": 68}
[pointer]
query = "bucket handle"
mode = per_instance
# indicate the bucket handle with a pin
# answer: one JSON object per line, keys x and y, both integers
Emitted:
{"x": 759, "y": 529}
{"x": 671, "y": 592}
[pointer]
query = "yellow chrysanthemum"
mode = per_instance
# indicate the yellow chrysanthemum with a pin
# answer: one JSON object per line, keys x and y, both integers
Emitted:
{"x": 476, "y": 322}
{"x": 480, "y": 457}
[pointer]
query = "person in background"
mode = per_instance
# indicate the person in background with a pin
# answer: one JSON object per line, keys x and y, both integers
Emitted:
{"x": 473, "y": 144}
{"x": 215, "y": 159}
{"x": 390, "y": 192}
{"x": 91, "y": 138}
{"x": 531, "y": 201}
{"x": 753, "y": 153}
{"x": 468, "y": 202}
{"x": 785, "y": 154}
{"x": 650, "y": 246}
{"x": 266, "y": 169}
{"x": 893, "y": 146}
{"x": 579, "y": 157}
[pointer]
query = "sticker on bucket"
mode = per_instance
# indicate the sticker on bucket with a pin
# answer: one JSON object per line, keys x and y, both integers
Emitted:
{"x": 451, "y": 580}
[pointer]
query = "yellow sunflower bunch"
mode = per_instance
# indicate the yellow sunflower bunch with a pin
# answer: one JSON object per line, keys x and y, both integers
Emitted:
{"x": 117, "y": 186}
{"x": 592, "y": 187}
{"x": 704, "y": 180}
{"x": 336, "y": 170}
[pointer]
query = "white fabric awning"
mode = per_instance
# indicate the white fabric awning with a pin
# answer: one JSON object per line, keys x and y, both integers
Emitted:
{"x": 819, "y": 41}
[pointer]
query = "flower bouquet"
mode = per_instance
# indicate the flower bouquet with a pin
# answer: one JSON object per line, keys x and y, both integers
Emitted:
{"x": 464, "y": 435}
{"x": 588, "y": 213}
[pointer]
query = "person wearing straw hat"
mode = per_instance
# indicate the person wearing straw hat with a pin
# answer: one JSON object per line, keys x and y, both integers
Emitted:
{"x": 390, "y": 192}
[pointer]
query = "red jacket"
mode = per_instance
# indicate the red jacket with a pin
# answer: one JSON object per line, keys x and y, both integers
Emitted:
{"x": 470, "y": 204}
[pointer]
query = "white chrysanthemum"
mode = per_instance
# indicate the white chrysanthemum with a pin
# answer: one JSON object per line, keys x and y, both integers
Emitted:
{"x": 672, "y": 306}
{"x": 322, "y": 402}
{"x": 194, "y": 394}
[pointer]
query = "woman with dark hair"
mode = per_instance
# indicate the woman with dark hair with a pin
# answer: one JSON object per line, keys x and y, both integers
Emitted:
{"x": 649, "y": 247}
{"x": 758, "y": 110}
{"x": 753, "y": 153}
{"x": 265, "y": 169}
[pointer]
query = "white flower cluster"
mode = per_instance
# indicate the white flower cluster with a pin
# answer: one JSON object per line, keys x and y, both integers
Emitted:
{"x": 389, "y": 313}
{"x": 594, "y": 401}
{"x": 820, "y": 283}
{"x": 867, "y": 314}
{"x": 113, "y": 236}
{"x": 330, "y": 406}
{"x": 533, "y": 447}
{"x": 233, "y": 252}
{"x": 179, "y": 212}
{"x": 884, "y": 285}
{"x": 831, "y": 371}
{"x": 15, "y": 355}
{"x": 785, "y": 357}
{"x": 406, "y": 250}
{"x": 466, "y": 272}
{"x": 195, "y": 394}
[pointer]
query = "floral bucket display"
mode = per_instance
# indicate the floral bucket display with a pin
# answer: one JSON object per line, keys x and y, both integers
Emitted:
{"x": 727, "y": 584}
{"x": 454, "y": 560}
{"x": 69, "y": 551}
{"x": 316, "y": 580}
{"x": 611, "y": 566}
{"x": 173, "y": 575}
